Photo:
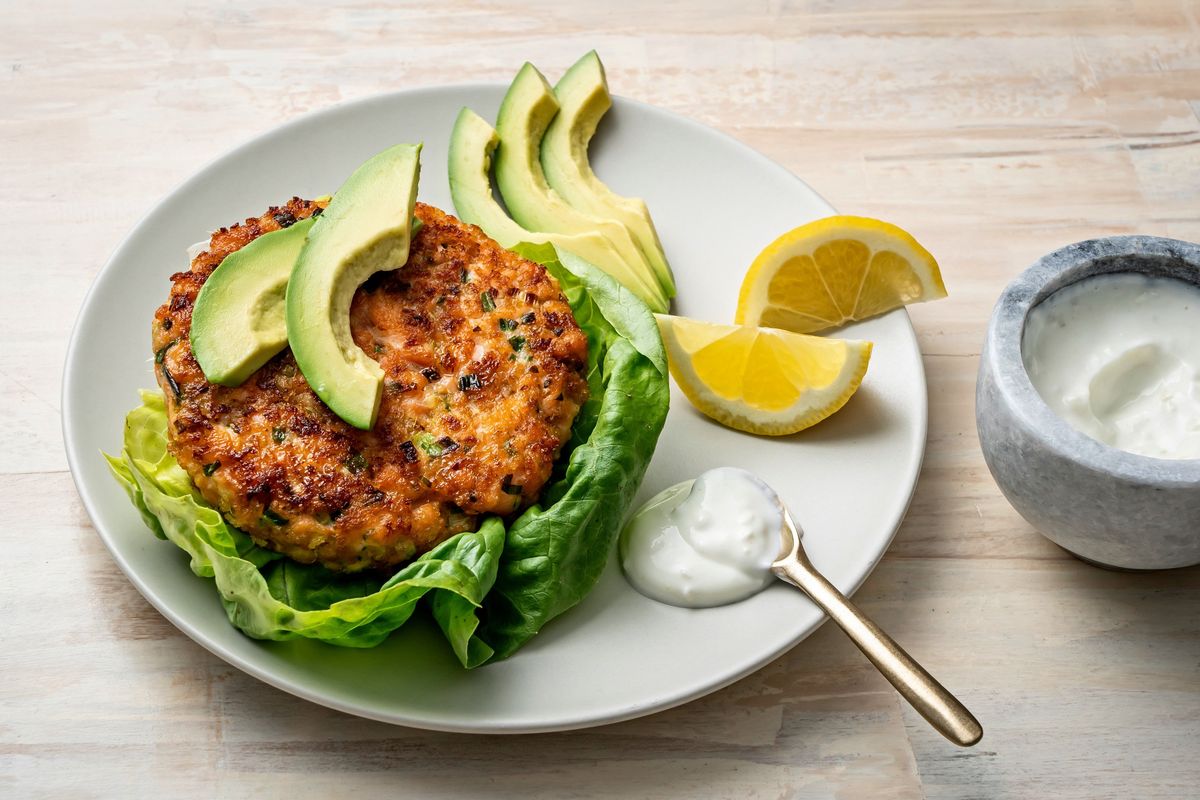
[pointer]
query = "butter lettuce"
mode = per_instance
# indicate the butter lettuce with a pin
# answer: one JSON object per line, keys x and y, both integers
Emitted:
{"x": 490, "y": 590}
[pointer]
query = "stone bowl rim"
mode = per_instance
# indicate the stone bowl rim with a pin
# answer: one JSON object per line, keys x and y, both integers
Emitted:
{"x": 1050, "y": 273}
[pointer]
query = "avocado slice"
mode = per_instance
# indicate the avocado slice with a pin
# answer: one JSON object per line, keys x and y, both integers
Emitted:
{"x": 238, "y": 321}
{"x": 526, "y": 110}
{"x": 583, "y": 96}
{"x": 367, "y": 227}
{"x": 472, "y": 144}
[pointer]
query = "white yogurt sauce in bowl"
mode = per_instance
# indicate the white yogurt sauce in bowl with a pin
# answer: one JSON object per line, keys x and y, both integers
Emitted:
{"x": 703, "y": 543}
{"x": 1118, "y": 357}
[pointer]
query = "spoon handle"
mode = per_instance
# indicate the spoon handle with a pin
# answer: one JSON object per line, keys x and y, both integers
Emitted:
{"x": 940, "y": 708}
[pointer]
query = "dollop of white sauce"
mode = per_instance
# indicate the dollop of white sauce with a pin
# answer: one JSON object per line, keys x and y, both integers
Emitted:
{"x": 1118, "y": 357}
{"x": 706, "y": 542}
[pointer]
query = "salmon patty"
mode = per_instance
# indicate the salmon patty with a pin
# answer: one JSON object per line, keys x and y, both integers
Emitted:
{"x": 484, "y": 370}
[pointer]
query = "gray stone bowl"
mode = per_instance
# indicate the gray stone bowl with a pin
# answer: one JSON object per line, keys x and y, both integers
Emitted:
{"x": 1106, "y": 506}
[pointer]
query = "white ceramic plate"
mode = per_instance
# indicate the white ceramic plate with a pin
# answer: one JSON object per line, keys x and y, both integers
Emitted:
{"x": 617, "y": 655}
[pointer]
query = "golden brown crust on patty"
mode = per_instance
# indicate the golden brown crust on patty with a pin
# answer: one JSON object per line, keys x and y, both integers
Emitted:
{"x": 484, "y": 367}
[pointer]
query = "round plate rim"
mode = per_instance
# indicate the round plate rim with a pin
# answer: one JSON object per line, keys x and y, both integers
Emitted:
{"x": 750, "y": 665}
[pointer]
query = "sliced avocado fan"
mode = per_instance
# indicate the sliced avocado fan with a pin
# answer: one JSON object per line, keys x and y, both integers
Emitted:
{"x": 526, "y": 111}
{"x": 583, "y": 96}
{"x": 238, "y": 322}
{"x": 367, "y": 227}
{"x": 471, "y": 146}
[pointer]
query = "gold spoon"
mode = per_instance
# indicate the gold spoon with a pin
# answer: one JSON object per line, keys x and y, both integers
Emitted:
{"x": 940, "y": 708}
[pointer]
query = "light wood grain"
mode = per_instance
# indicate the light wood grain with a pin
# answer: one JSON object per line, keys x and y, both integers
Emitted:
{"x": 994, "y": 133}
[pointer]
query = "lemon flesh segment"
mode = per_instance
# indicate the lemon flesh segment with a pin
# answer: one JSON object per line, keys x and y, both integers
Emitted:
{"x": 836, "y": 270}
{"x": 799, "y": 278}
{"x": 762, "y": 380}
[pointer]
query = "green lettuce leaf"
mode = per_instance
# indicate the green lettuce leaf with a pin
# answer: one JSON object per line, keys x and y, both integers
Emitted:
{"x": 271, "y": 597}
{"x": 554, "y": 553}
{"x": 490, "y": 590}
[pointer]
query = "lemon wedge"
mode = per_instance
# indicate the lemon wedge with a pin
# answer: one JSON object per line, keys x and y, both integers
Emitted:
{"x": 762, "y": 380}
{"x": 836, "y": 270}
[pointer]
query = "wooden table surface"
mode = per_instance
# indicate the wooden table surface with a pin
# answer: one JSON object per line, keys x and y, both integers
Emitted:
{"x": 995, "y": 134}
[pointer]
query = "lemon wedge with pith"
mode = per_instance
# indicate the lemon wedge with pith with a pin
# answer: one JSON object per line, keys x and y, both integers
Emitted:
{"x": 762, "y": 380}
{"x": 836, "y": 270}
